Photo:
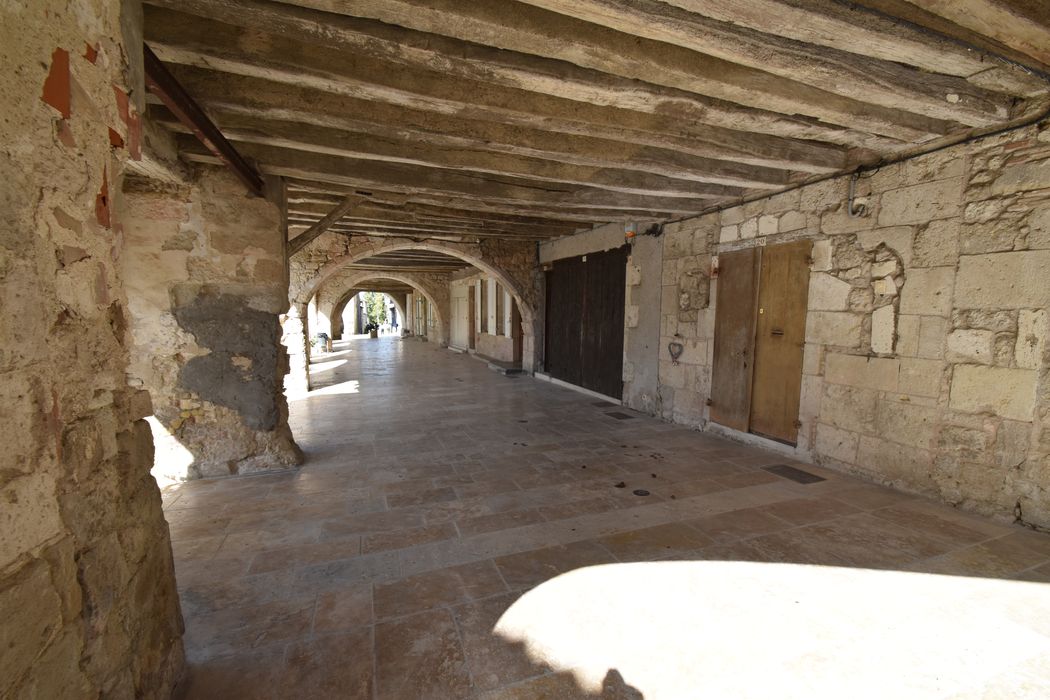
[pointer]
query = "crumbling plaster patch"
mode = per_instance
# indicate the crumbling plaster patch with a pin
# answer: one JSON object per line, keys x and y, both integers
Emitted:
{"x": 206, "y": 280}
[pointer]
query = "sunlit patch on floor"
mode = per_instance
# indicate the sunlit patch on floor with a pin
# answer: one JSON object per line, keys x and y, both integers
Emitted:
{"x": 760, "y": 630}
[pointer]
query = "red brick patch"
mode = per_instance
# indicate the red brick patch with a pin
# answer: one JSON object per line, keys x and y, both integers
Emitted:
{"x": 56, "y": 86}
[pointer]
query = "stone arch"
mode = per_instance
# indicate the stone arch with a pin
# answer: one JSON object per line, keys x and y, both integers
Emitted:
{"x": 309, "y": 278}
{"x": 335, "y": 319}
{"x": 437, "y": 297}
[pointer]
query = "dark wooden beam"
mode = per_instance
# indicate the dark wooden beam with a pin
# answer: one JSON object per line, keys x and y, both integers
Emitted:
{"x": 307, "y": 236}
{"x": 164, "y": 85}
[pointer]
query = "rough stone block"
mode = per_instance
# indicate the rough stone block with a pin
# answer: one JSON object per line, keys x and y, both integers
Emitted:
{"x": 968, "y": 345}
{"x": 1039, "y": 228}
{"x": 921, "y": 203}
{"x": 767, "y": 225}
{"x": 840, "y": 328}
{"x": 732, "y": 216}
{"x": 828, "y": 293}
{"x": 836, "y": 444}
{"x": 749, "y": 229}
{"x": 861, "y": 371}
{"x": 1022, "y": 178}
{"x": 894, "y": 462}
{"x": 899, "y": 239}
{"x": 921, "y": 377}
{"x": 1004, "y": 280}
{"x": 1009, "y": 393}
{"x": 932, "y": 332}
{"x": 883, "y": 329}
{"x": 634, "y": 275}
{"x": 849, "y": 408}
{"x": 1032, "y": 330}
{"x": 928, "y": 291}
{"x": 937, "y": 244}
{"x": 822, "y": 255}
{"x": 792, "y": 221}
{"x": 907, "y": 423}
{"x": 908, "y": 335}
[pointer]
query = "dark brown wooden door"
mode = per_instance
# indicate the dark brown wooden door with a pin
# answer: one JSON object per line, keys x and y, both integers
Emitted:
{"x": 736, "y": 299}
{"x": 780, "y": 341}
{"x": 583, "y": 343}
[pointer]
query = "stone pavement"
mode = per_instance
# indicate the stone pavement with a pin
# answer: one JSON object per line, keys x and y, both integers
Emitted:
{"x": 459, "y": 533}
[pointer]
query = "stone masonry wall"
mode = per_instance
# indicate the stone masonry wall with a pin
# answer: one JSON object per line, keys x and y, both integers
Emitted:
{"x": 926, "y": 341}
{"x": 206, "y": 283}
{"x": 87, "y": 589}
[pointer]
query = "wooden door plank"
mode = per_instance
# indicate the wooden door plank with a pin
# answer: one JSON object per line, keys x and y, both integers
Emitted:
{"x": 780, "y": 341}
{"x": 736, "y": 299}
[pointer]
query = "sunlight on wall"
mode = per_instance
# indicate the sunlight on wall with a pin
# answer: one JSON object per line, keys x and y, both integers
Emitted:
{"x": 752, "y": 630}
{"x": 171, "y": 461}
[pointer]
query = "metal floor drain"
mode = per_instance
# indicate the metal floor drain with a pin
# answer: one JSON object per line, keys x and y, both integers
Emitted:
{"x": 794, "y": 474}
{"x": 618, "y": 416}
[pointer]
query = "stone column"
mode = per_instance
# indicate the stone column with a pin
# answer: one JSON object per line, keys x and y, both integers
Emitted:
{"x": 88, "y": 604}
{"x": 295, "y": 336}
{"x": 206, "y": 278}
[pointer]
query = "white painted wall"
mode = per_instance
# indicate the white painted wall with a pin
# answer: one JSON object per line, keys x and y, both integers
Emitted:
{"x": 460, "y": 316}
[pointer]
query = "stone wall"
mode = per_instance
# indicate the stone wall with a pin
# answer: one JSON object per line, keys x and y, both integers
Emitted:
{"x": 926, "y": 362}
{"x": 206, "y": 283}
{"x": 87, "y": 594}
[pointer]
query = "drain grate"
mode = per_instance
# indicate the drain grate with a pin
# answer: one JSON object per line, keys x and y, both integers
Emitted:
{"x": 794, "y": 474}
{"x": 618, "y": 416}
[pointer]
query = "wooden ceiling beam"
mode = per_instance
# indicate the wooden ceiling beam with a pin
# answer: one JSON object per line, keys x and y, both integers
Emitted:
{"x": 411, "y": 181}
{"x": 589, "y": 136}
{"x": 584, "y": 214}
{"x": 684, "y": 176}
{"x": 183, "y": 39}
{"x": 888, "y": 84}
{"x": 316, "y": 229}
{"x": 535, "y": 32}
{"x": 163, "y": 85}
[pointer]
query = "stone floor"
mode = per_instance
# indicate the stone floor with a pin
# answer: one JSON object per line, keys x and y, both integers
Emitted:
{"x": 459, "y": 533}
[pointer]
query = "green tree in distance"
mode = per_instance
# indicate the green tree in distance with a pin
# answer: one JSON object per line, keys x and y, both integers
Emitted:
{"x": 375, "y": 308}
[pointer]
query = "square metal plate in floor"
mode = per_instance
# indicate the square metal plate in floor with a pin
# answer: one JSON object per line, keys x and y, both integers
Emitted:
{"x": 794, "y": 474}
{"x": 618, "y": 416}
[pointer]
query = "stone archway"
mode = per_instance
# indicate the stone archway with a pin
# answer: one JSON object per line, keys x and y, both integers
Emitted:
{"x": 510, "y": 263}
{"x": 433, "y": 287}
{"x": 335, "y": 318}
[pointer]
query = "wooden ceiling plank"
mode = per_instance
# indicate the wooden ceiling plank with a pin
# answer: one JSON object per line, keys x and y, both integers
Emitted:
{"x": 677, "y": 174}
{"x": 585, "y": 137}
{"x": 181, "y": 39}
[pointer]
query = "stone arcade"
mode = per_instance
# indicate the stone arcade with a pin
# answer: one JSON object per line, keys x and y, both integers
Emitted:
{"x": 765, "y": 285}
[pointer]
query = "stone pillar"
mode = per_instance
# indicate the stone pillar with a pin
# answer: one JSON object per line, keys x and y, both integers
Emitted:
{"x": 205, "y": 270}
{"x": 88, "y": 606}
{"x": 295, "y": 336}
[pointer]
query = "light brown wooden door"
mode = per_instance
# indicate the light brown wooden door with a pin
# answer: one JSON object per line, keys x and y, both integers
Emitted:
{"x": 780, "y": 340}
{"x": 736, "y": 299}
